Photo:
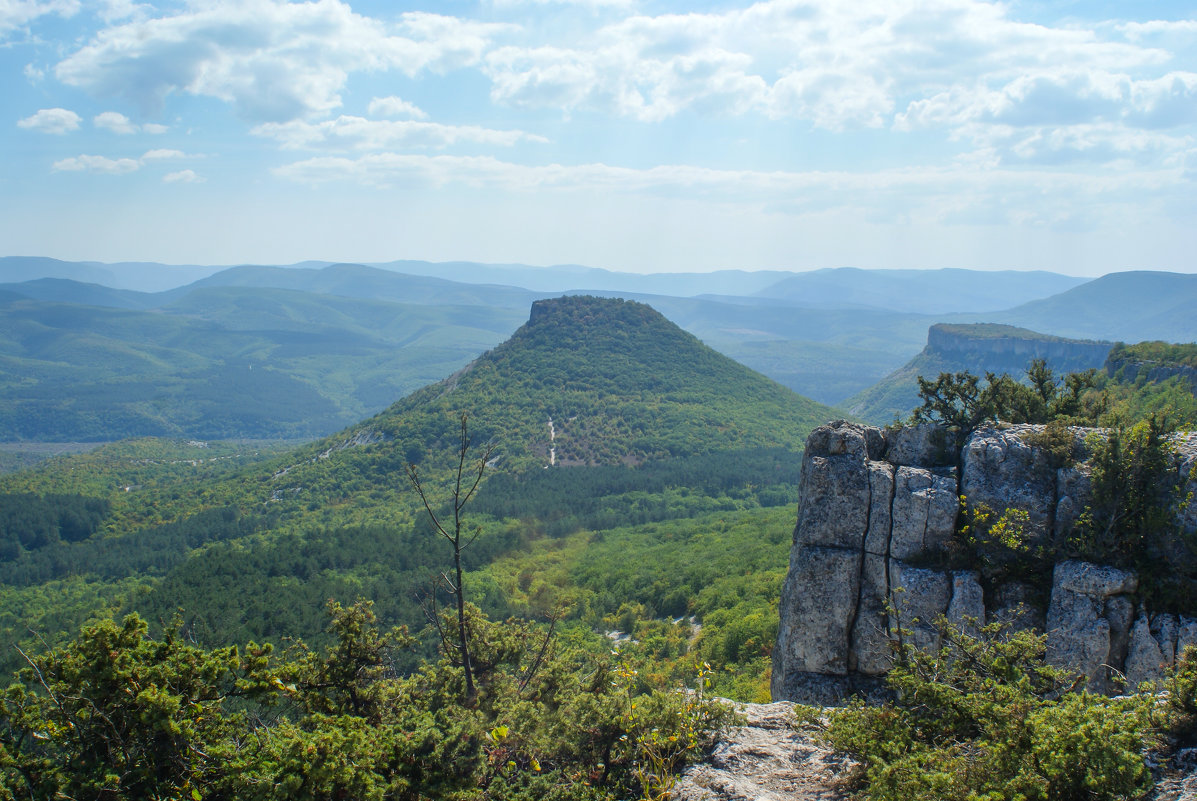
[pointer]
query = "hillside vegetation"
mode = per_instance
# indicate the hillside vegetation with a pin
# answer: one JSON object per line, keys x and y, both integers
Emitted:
{"x": 648, "y": 426}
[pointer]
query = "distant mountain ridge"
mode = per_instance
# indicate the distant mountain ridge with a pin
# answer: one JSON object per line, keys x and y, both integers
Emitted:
{"x": 827, "y": 334}
{"x": 919, "y": 291}
{"x": 1130, "y": 306}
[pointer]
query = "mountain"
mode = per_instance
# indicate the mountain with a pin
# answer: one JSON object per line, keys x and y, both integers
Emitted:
{"x": 918, "y": 291}
{"x": 1129, "y": 306}
{"x": 978, "y": 349}
{"x": 65, "y": 290}
{"x": 592, "y": 380}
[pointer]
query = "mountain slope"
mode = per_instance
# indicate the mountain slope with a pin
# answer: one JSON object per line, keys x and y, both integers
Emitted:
{"x": 918, "y": 291}
{"x": 1130, "y": 306}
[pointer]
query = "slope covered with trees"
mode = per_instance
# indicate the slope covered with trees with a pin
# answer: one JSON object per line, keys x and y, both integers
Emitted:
{"x": 648, "y": 427}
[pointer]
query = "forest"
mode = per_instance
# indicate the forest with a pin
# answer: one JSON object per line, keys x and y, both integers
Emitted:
{"x": 264, "y": 611}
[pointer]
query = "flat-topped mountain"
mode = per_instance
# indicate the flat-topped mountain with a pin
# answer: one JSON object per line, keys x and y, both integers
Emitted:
{"x": 592, "y": 380}
{"x": 977, "y": 348}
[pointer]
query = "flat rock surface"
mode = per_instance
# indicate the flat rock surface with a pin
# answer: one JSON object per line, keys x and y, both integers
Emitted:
{"x": 766, "y": 760}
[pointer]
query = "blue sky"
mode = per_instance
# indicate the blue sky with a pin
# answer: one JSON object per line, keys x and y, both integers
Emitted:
{"x": 627, "y": 134}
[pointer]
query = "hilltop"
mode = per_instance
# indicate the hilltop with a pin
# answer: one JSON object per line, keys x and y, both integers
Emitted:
{"x": 603, "y": 381}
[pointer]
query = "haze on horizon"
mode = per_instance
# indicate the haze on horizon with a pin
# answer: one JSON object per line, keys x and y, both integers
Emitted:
{"x": 624, "y": 134}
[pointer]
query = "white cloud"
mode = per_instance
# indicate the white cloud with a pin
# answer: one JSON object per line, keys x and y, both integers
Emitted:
{"x": 113, "y": 10}
{"x": 51, "y": 121}
{"x": 122, "y": 166}
{"x": 273, "y": 60}
{"x": 392, "y": 107}
{"x": 33, "y": 74}
{"x": 162, "y": 153}
{"x": 929, "y": 193}
{"x": 15, "y": 14}
{"x": 118, "y": 123}
{"x": 182, "y": 177}
{"x": 358, "y": 133}
{"x": 100, "y": 164}
{"x": 114, "y": 121}
{"x": 933, "y": 64}
{"x": 584, "y": 3}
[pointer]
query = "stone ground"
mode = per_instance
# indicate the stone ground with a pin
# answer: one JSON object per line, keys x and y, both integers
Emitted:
{"x": 766, "y": 760}
{"x": 769, "y": 760}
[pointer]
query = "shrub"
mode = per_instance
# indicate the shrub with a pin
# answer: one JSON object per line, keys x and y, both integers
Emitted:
{"x": 986, "y": 718}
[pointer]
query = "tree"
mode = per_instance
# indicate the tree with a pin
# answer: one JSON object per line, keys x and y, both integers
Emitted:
{"x": 961, "y": 402}
{"x": 116, "y": 714}
{"x": 465, "y": 483}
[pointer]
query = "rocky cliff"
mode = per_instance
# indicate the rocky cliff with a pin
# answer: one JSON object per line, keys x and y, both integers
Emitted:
{"x": 978, "y": 348}
{"x": 1011, "y": 348}
{"x": 875, "y": 502}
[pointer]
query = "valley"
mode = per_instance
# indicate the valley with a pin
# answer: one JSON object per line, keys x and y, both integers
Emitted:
{"x": 641, "y": 490}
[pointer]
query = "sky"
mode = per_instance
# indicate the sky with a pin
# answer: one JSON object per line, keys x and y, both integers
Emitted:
{"x": 627, "y": 134}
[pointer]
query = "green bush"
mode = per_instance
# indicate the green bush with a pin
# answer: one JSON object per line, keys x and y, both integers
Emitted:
{"x": 118, "y": 715}
{"x": 986, "y": 718}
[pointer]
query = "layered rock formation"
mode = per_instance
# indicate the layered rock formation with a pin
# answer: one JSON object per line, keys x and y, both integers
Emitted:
{"x": 1015, "y": 346}
{"x": 875, "y": 503}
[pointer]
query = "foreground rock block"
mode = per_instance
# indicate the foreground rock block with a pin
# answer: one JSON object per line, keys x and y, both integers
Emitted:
{"x": 876, "y": 508}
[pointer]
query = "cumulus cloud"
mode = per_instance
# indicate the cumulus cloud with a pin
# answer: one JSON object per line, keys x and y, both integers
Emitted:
{"x": 358, "y": 133}
{"x": 962, "y": 67}
{"x": 114, "y": 121}
{"x": 182, "y": 177}
{"x": 118, "y": 123}
{"x": 100, "y": 164}
{"x": 122, "y": 166}
{"x": 51, "y": 121}
{"x": 395, "y": 107}
{"x": 273, "y": 60}
{"x": 15, "y": 14}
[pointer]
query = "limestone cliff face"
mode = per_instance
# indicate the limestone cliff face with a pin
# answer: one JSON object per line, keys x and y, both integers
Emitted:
{"x": 873, "y": 500}
{"x": 1017, "y": 345}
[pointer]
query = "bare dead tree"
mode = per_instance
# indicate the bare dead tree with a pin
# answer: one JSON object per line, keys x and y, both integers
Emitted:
{"x": 466, "y": 480}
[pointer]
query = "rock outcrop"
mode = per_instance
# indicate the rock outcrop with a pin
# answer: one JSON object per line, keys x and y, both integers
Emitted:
{"x": 876, "y": 503}
{"x": 766, "y": 759}
{"x": 1130, "y": 371}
